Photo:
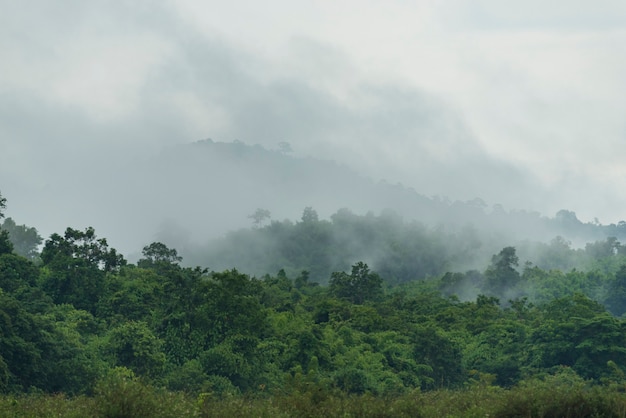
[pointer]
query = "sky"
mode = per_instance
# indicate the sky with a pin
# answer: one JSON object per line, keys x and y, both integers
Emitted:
{"x": 519, "y": 103}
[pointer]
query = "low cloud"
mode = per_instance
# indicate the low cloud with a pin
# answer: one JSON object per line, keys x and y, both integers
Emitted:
{"x": 91, "y": 90}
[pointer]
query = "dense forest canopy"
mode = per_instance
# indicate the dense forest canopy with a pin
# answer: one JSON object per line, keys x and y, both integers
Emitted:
{"x": 78, "y": 310}
{"x": 411, "y": 209}
{"x": 400, "y": 250}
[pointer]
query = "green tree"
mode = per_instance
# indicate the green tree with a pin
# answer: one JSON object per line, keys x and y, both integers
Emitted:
{"x": 18, "y": 350}
{"x": 359, "y": 286}
{"x": 75, "y": 267}
{"x": 576, "y": 331}
{"x": 616, "y": 300}
{"x": 501, "y": 276}
{"x": 232, "y": 302}
{"x": 3, "y": 205}
{"x": 558, "y": 254}
{"x": 6, "y": 247}
{"x": 25, "y": 239}
{"x": 260, "y": 216}
{"x": 132, "y": 294}
{"x": 202, "y": 311}
{"x": 435, "y": 349}
{"x": 84, "y": 246}
{"x": 603, "y": 249}
{"x": 500, "y": 350}
{"x": 70, "y": 350}
{"x": 309, "y": 245}
{"x": 16, "y": 273}
{"x": 236, "y": 358}
{"x": 43, "y": 351}
{"x": 157, "y": 254}
{"x": 133, "y": 345}
{"x": 225, "y": 325}
{"x": 309, "y": 215}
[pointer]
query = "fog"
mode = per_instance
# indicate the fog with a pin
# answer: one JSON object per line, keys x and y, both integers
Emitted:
{"x": 519, "y": 106}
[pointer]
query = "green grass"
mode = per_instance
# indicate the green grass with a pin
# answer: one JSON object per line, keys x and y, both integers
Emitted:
{"x": 126, "y": 398}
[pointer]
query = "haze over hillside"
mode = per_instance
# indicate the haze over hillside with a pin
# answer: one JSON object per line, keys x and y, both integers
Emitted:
{"x": 521, "y": 106}
{"x": 189, "y": 194}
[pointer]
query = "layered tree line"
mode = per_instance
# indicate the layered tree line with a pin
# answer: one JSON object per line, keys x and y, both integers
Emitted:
{"x": 212, "y": 187}
{"x": 401, "y": 251}
{"x": 77, "y": 313}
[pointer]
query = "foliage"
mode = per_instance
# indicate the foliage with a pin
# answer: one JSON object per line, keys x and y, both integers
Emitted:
{"x": 76, "y": 266}
{"x": 260, "y": 216}
{"x": 134, "y": 346}
{"x": 121, "y": 394}
{"x": 398, "y": 251}
{"x": 25, "y": 240}
{"x": 502, "y": 275}
{"x": 616, "y": 300}
{"x": 83, "y": 322}
{"x": 358, "y": 287}
{"x": 6, "y": 246}
{"x": 3, "y": 205}
{"x": 158, "y": 253}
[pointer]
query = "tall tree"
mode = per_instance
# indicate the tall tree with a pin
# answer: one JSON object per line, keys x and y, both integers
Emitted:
{"x": 6, "y": 247}
{"x": 76, "y": 266}
{"x": 260, "y": 216}
{"x": 616, "y": 300}
{"x": 133, "y": 345}
{"x": 502, "y": 275}
{"x": 158, "y": 253}
{"x": 3, "y": 205}
{"x": 359, "y": 286}
{"x": 25, "y": 239}
{"x": 309, "y": 215}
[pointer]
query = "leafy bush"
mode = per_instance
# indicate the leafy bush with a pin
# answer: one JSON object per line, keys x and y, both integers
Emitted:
{"x": 564, "y": 394}
{"x": 121, "y": 395}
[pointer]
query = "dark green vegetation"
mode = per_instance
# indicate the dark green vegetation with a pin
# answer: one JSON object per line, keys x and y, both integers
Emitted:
{"x": 118, "y": 395}
{"x": 400, "y": 251}
{"x": 408, "y": 338}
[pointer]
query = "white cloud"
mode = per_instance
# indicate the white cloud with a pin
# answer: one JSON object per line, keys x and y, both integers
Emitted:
{"x": 401, "y": 87}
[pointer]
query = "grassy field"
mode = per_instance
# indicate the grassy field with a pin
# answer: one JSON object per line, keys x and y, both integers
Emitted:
{"x": 549, "y": 397}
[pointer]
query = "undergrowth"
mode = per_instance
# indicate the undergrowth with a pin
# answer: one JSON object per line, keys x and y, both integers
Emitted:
{"x": 122, "y": 395}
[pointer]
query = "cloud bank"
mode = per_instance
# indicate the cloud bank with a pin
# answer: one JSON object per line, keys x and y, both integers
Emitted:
{"x": 520, "y": 106}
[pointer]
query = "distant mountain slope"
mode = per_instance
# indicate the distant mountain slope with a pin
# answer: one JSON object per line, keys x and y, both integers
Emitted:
{"x": 189, "y": 194}
{"x": 235, "y": 179}
{"x": 212, "y": 188}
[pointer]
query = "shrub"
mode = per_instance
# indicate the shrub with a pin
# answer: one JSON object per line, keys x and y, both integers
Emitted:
{"x": 121, "y": 395}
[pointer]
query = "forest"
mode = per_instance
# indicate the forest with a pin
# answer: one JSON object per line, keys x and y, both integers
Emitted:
{"x": 358, "y": 315}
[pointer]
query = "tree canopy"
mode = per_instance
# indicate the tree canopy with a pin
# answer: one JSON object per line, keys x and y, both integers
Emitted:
{"x": 79, "y": 315}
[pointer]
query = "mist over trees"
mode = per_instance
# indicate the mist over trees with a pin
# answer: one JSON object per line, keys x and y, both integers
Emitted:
{"x": 193, "y": 195}
{"x": 377, "y": 304}
{"x": 188, "y": 194}
{"x": 396, "y": 218}
{"x": 401, "y": 250}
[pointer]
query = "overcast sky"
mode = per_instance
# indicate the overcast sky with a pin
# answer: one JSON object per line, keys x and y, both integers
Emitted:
{"x": 519, "y": 103}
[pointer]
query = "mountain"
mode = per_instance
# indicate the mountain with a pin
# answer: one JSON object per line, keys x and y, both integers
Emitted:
{"x": 189, "y": 194}
{"x": 214, "y": 188}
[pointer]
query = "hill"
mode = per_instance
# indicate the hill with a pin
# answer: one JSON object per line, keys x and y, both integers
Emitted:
{"x": 190, "y": 194}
